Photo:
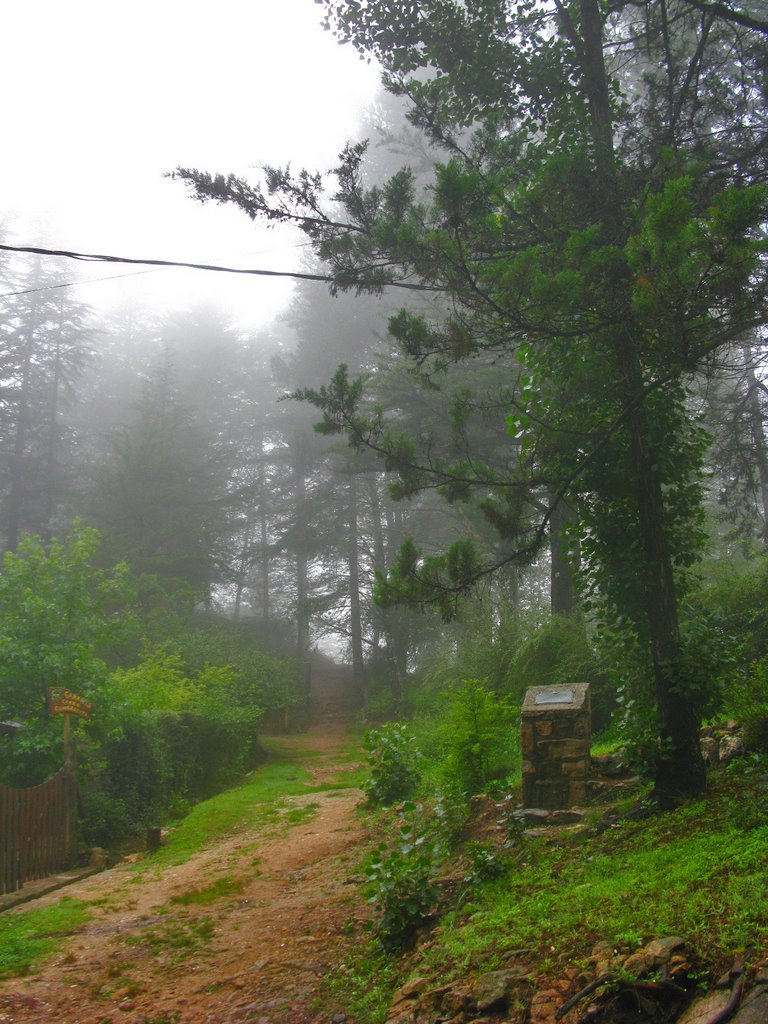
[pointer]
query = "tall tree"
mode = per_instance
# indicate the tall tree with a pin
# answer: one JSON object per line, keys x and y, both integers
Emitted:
{"x": 46, "y": 343}
{"x": 599, "y": 219}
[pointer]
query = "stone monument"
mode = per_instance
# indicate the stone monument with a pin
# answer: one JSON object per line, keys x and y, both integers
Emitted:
{"x": 555, "y": 734}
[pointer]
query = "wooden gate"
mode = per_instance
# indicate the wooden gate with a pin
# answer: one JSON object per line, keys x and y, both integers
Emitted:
{"x": 37, "y": 830}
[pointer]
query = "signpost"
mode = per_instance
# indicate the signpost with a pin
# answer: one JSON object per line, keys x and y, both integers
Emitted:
{"x": 64, "y": 702}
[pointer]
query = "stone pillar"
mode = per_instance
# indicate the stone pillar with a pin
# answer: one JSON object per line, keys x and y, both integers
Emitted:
{"x": 555, "y": 734}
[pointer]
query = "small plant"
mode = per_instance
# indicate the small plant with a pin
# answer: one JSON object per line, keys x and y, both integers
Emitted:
{"x": 394, "y": 763}
{"x": 450, "y": 812}
{"x": 479, "y": 735}
{"x": 401, "y": 882}
{"x": 487, "y": 864}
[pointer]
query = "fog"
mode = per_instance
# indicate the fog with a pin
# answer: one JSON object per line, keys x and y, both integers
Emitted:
{"x": 109, "y": 98}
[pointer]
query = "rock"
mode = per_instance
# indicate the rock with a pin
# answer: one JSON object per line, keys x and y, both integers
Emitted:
{"x": 754, "y": 1009}
{"x": 97, "y": 858}
{"x": 403, "y": 1016}
{"x": 533, "y": 816}
{"x": 411, "y": 990}
{"x": 604, "y": 958}
{"x": 662, "y": 949}
{"x": 710, "y": 750}
{"x": 494, "y": 989}
{"x": 456, "y": 1001}
{"x": 703, "y": 1009}
{"x": 544, "y": 1006}
{"x": 432, "y": 1001}
{"x": 639, "y": 964}
{"x": 126, "y": 1005}
{"x": 730, "y": 747}
{"x": 570, "y": 817}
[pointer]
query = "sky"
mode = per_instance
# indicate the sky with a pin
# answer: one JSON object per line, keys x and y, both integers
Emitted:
{"x": 102, "y": 98}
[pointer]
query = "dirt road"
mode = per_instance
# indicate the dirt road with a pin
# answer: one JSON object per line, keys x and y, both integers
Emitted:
{"x": 258, "y": 953}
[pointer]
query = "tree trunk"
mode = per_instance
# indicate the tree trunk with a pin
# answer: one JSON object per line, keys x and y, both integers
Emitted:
{"x": 680, "y": 771}
{"x": 562, "y": 593}
{"x": 757, "y": 429}
{"x": 302, "y": 582}
{"x": 50, "y": 459}
{"x": 16, "y": 481}
{"x": 355, "y": 620}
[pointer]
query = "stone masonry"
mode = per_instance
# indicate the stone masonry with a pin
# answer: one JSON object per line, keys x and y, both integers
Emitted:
{"x": 556, "y": 734}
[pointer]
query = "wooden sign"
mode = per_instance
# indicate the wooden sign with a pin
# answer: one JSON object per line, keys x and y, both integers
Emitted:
{"x": 64, "y": 702}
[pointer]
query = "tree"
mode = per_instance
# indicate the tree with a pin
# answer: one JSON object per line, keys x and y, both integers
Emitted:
{"x": 44, "y": 347}
{"x": 56, "y": 610}
{"x": 598, "y": 225}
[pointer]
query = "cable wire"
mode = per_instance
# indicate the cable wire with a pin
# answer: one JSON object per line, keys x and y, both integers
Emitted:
{"x": 102, "y": 258}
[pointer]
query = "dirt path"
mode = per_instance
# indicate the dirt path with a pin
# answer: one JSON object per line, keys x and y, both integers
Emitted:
{"x": 258, "y": 954}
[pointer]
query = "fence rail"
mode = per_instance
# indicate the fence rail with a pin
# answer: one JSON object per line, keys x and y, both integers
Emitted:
{"x": 37, "y": 828}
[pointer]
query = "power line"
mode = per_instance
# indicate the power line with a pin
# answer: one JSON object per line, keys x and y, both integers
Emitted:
{"x": 75, "y": 284}
{"x": 101, "y": 258}
{"x": 118, "y": 277}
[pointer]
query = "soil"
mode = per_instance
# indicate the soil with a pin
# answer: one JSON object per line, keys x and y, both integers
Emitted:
{"x": 258, "y": 955}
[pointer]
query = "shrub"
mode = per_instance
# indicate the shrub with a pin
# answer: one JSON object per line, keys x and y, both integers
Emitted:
{"x": 479, "y": 734}
{"x": 747, "y": 702}
{"x": 394, "y": 761}
{"x": 401, "y": 882}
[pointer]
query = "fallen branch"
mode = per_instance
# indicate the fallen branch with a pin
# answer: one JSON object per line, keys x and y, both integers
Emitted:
{"x": 646, "y": 987}
{"x": 733, "y": 1002}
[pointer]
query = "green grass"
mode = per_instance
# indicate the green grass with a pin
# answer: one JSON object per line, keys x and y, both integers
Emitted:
{"x": 693, "y": 873}
{"x": 29, "y": 936}
{"x": 697, "y": 872}
{"x": 258, "y": 803}
{"x": 175, "y": 940}
{"x": 210, "y": 893}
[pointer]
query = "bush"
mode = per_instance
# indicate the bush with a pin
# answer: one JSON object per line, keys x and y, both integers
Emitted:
{"x": 394, "y": 761}
{"x": 401, "y": 882}
{"x": 747, "y": 702}
{"x": 479, "y": 736}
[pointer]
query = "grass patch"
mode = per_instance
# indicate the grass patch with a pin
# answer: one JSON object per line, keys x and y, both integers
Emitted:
{"x": 364, "y": 983}
{"x": 175, "y": 940}
{"x": 257, "y": 803}
{"x": 692, "y": 872}
{"x": 27, "y": 937}
{"x": 210, "y": 893}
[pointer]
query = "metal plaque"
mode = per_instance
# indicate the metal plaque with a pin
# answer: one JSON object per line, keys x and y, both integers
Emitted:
{"x": 554, "y": 697}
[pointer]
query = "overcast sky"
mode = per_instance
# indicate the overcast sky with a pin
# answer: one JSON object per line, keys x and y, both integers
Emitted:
{"x": 101, "y": 98}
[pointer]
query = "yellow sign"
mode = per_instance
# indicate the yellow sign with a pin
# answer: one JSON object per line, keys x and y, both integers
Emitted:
{"x": 64, "y": 702}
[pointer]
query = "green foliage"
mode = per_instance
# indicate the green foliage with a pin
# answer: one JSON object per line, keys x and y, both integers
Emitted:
{"x": 487, "y": 864}
{"x": 479, "y": 735}
{"x": 747, "y": 807}
{"x": 395, "y": 764}
{"x": 661, "y": 876}
{"x": 747, "y": 702}
{"x": 400, "y": 882}
{"x": 56, "y": 609}
{"x": 560, "y": 651}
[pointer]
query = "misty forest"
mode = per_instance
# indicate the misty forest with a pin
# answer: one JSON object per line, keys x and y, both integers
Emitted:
{"x": 406, "y": 658}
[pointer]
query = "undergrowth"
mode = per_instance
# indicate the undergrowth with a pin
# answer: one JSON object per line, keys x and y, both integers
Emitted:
{"x": 697, "y": 872}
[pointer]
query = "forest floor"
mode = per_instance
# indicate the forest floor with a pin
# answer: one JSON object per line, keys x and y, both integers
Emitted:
{"x": 244, "y": 930}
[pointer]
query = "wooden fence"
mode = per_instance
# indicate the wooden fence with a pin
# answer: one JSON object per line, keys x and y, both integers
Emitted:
{"x": 37, "y": 830}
